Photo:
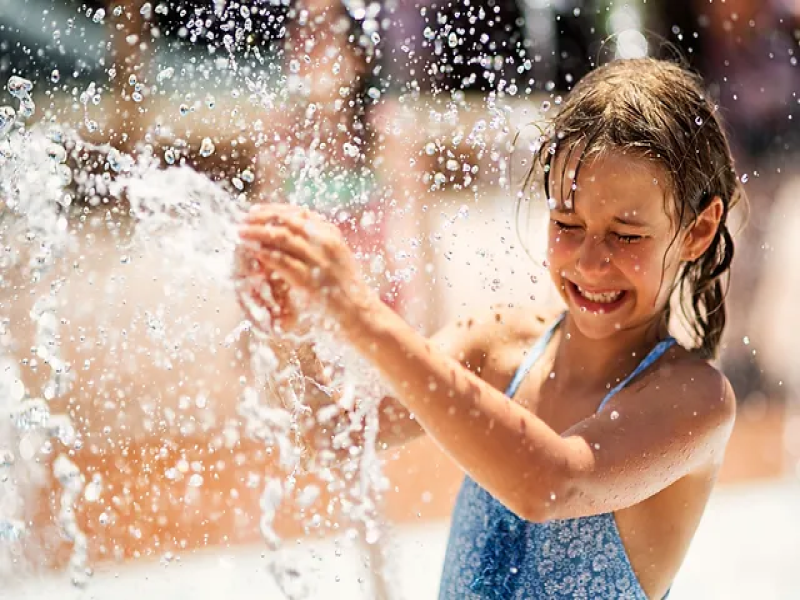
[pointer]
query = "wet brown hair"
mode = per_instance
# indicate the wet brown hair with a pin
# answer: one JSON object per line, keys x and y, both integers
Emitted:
{"x": 658, "y": 110}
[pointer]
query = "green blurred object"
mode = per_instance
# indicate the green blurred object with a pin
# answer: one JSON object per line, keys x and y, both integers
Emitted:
{"x": 332, "y": 191}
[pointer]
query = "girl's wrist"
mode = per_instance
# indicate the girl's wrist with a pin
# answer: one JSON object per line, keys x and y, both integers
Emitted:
{"x": 359, "y": 313}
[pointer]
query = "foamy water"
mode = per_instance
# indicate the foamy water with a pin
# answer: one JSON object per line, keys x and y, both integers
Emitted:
{"x": 160, "y": 217}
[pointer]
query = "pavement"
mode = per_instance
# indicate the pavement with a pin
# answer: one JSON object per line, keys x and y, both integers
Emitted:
{"x": 747, "y": 546}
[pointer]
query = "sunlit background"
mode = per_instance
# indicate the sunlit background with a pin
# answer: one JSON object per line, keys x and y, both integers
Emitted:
{"x": 130, "y": 467}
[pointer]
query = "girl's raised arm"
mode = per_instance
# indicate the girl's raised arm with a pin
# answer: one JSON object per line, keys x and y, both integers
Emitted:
{"x": 645, "y": 440}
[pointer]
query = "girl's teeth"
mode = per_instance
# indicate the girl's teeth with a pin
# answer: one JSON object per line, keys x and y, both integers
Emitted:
{"x": 605, "y": 297}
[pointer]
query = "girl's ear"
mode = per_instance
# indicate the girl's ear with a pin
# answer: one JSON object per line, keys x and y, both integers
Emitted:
{"x": 703, "y": 231}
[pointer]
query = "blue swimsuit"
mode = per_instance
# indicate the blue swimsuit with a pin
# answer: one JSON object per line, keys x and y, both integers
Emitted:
{"x": 492, "y": 553}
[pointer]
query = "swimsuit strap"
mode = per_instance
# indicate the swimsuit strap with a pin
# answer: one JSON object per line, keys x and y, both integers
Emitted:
{"x": 539, "y": 347}
{"x": 648, "y": 360}
{"x": 533, "y": 355}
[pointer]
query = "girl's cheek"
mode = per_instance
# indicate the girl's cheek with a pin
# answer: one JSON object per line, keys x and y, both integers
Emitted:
{"x": 639, "y": 260}
{"x": 561, "y": 244}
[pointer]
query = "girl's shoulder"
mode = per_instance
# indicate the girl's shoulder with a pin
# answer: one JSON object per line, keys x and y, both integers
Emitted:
{"x": 689, "y": 379}
{"x": 494, "y": 340}
{"x": 683, "y": 365}
{"x": 507, "y": 326}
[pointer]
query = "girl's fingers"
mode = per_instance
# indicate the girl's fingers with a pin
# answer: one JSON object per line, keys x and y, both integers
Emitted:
{"x": 299, "y": 221}
{"x": 263, "y": 213}
{"x": 246, "y": 308}
{"x": 296, "y": 272}
{"x": 279, "y": 312}
{"x": 274, "y": 237}
{"x": 291, "y": 222}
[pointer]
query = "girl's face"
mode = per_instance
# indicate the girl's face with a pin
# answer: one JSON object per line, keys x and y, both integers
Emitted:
{"x": 613, "y": 256}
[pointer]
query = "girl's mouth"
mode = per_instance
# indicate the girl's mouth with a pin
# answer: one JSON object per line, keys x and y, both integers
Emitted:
{"x": 601, "y": 302}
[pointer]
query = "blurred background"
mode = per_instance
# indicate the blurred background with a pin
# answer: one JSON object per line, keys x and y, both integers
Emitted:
{"x": 407, "y": 114}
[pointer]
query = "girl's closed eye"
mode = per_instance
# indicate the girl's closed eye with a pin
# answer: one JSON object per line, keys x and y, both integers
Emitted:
{"x": 629, "y": 238}
{"x": 564, "y": 226}
{"x": 621, "y": 237}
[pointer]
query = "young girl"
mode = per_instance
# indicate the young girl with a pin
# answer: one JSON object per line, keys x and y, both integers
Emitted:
{"x": 590, "y": 440}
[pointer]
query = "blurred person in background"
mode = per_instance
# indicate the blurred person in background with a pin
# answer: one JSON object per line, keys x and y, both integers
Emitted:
{"x": 451, "y": 68}
{"x": 747, "y": 51}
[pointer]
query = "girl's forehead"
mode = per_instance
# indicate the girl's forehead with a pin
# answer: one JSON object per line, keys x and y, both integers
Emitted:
{"x": 602, "y": 165}
{"x": 608, "y": 179}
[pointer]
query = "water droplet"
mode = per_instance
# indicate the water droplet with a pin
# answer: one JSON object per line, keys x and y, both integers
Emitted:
{"x": 165, "y": 74}
{"x": 614, "y": 415}
{"x": 61, "y": 428}
{"x": 350, "y": 150}
{"x": 11, "y": 530}
{"x": 698, "y": 121}
{"x": 99, "y": 15}
{"x": 196, "y": 480}
{"x": 7, "y": 118}
{"x": 744, "y": 178}
{"x": 6, "y": 458}
{"x": 55, "y": 76}
{"x": 746, "y": 340}
{"x": 206, "y": 148}
{"x": 114, "y": 159}
{"x": 308, "y": 496}
{"x": 19, "y": 87}
{"x": 170, "y": 156}
{"x": 372, "y": 535}
{"x": 93, "y": 490}
{"x": 32, "y": 414}
{"x": 64, "y": 174}
{"x": 26, "y": 107}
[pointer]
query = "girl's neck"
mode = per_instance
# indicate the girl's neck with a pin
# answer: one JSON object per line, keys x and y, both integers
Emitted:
{"x": 598, "y": 363}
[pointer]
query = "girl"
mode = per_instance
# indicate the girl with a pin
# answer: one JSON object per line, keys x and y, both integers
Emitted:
{"x": 587, "y": 478}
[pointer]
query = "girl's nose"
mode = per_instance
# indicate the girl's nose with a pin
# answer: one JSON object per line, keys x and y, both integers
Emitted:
{"x": 594, "y": 256}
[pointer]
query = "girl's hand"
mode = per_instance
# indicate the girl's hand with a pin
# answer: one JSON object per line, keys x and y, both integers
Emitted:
{"x": 308, "y": 253}
{"x": 262, "y": 293}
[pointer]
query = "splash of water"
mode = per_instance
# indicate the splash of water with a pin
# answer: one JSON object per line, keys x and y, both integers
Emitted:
{"x": 190, "y": 223}
{"x": 152, "y": 203}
